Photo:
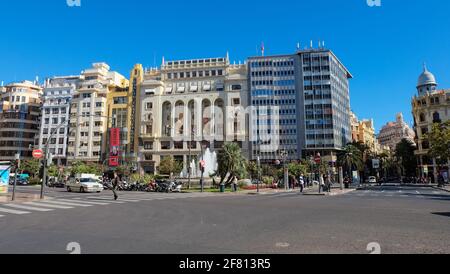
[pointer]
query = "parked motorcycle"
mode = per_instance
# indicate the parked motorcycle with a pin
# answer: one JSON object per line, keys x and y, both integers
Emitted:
{"x": 175, "y": 186}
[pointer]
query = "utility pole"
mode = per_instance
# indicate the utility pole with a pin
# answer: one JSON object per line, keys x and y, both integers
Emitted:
{"x": 16, "y": 170}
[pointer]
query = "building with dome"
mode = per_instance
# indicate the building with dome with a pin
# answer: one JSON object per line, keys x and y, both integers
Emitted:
{"x": 430, "y": 106}
{"x": 394, "y": 132}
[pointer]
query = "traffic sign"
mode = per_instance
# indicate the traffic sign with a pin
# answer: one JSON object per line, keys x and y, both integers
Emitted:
{"x": 38, "y": 154}
{"x": 317, "y": 159}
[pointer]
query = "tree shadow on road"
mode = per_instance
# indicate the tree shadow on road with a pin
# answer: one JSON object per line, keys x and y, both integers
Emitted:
{"x": 445, "y": 214}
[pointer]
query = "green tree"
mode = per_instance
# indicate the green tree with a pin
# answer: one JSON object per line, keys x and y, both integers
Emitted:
{"x": 404, "y": 154}
{"x": 53, "y": 171}
{"x": 349, "y": 158}
{"x": 231, "y": 163}
{"x": 439, "y": 139}
{"x": 169, "y": 166}
{"x": 297, "y": 169}
{"x": 80, "y": 167}
{"x": 31, "y": 167}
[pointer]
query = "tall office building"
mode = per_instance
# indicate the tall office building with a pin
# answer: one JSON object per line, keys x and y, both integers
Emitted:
{"x": 308, "y": 94}
{"x": 19, "y": 119}
{"x": 184, "y": 104}
{"x": 54, "y": 129}
{"x": 89, "y": 118}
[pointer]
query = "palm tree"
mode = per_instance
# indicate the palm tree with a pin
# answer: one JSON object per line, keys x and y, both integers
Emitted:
{"x": 351, "y": 157}
{"x": 231, "y": 163}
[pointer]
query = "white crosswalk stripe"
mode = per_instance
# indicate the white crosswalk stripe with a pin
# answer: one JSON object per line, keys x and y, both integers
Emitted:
{"x": 89, "y": 201}
{"x": 66, "y": 203}
{"x": 44, "y": 204}
{"x": 28, "y": 207}
{"x": 13, "y": 211}
{"x": 83, "y": 202}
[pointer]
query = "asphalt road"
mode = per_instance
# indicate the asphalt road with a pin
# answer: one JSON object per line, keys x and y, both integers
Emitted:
{"x": 400, "y": 220}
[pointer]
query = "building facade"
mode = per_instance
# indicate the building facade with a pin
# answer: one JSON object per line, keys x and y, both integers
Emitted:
{"x": 394, "y": 132}
{"x": 309, "y": 94}
{"x": 184, "y": 108}
{"x": 89, "y": 114}
{"x": 364, "y": 132}
{"x": 20, "y": 111}
{"x": 55, "y": 116}
{"x": 429, "y": 106}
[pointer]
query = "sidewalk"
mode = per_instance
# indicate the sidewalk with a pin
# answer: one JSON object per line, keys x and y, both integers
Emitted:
{"x": 445, "y": 188}
{"x": 20, "y": 198}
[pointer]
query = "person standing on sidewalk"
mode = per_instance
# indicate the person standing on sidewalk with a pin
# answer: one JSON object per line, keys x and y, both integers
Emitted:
{"x": 302, "y": 183}
{"x": 235, "y": 184}
{"x": 115, "y": 184}
{"x": 329, "y": 183}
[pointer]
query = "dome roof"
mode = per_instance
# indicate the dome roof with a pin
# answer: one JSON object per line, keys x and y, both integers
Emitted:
{"x": 426, "y": 78}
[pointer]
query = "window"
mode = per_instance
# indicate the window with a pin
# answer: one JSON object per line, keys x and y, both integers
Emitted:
{"x": 63, "y": 110}
{"x": 120, "y": 100}
{"x": 422, "y": 117}
{"x": 86, "y": 95}
{"x": 98, "y": 104}
{"x": 61, "y": 141}
{"x": 236, "y": 87}
{"x": 149, "y": 105}
{"x": 55, "y": 121}
{"x": 47, "y": 121}
{"x": 436, "y": 117}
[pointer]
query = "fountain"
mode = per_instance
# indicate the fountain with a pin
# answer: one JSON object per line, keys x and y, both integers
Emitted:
{"x": 210, "y": 159}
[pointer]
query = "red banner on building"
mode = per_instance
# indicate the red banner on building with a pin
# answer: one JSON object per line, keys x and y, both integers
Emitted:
{"x": 114, "y": 146}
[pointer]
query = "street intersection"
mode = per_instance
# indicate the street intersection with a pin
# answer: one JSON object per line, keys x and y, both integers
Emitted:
{"x": 399, "y": 219}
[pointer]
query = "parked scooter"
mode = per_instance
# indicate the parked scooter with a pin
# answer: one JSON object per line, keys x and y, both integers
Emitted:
{"x": 175, "y": 186}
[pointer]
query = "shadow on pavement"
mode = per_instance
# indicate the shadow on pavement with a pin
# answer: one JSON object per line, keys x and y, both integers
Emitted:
{"x": 445, "y": 214}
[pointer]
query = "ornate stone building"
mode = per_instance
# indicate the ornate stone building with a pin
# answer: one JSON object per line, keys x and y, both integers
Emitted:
{"x": 184, "y": 104}
{"x": 429, "y": 106}
{"x": 393, "y": 132}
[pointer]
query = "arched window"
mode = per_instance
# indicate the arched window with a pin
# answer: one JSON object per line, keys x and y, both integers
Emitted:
{"x": 422, "y": 117}
{"x": 436, "y": 117}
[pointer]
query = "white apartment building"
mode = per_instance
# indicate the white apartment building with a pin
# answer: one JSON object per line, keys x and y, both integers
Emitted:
{"x": 184, "y": 103}
{"x": 54, "y": 131}
{"x": 89, "y": 120}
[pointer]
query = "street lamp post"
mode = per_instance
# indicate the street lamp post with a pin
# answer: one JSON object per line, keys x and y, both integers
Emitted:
{"x": 16, "y": 170}
{"x": 284, "y": 156}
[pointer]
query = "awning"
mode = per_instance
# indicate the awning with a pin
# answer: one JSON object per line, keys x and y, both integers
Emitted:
{"x": 206, "y": 87}
{"x": 194, "y": 88}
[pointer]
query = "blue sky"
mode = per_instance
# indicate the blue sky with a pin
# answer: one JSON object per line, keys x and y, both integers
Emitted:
{"x": 384, "y": 47}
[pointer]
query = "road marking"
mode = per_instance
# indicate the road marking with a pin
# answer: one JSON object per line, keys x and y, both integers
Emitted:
{"x": 418, "y": 192}
{"x": 44, "y": 204}
{"x": 12, "y": 211}
{"x": 110, "y": 201}
{"x": 120, "y": 199}
{"x": 66, "y": 203}
{"x": 2, "y": 216}
{"x": 28, "y": 207}
{"x": 83, "y": 202}
{"x": 435, "y": 192}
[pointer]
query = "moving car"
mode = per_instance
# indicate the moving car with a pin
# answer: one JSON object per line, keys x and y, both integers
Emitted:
{"x": 84, "y": 183}
{"x": 372, "y": 180}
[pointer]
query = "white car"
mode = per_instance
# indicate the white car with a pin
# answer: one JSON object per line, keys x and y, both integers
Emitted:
{"x": 372, "y": 180}
{"x": 84, "y": 185}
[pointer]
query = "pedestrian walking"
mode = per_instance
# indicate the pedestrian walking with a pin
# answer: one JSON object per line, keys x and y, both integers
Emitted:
{"x": 329, "y": 183}
{"x": 302, "y": 184}
{"x": 115, "y": 184}
{"x": 235, "y": 184}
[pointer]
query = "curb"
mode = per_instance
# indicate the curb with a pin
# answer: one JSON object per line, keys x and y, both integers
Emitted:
{"x": 442, "y": 189}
